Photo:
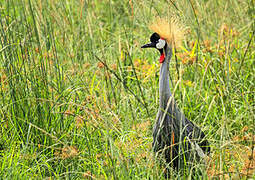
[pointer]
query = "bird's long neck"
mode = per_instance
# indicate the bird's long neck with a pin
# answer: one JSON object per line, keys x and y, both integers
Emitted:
{"x": 164, "y": 87}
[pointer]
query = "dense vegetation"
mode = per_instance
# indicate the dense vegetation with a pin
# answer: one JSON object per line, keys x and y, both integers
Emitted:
{"x": 78, "y": 97}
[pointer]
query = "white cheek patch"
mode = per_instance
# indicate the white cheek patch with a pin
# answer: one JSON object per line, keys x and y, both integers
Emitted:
{"x": 161, "y": 43}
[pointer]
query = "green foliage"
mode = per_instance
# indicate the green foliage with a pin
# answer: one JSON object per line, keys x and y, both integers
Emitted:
{"x": 78, "y": 97}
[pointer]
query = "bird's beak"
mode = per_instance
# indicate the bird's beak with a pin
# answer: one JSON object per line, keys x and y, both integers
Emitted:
{"x": 149, "y": 45}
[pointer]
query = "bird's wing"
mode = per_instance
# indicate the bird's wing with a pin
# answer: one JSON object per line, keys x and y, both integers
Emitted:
{"x": 190, "y": 130}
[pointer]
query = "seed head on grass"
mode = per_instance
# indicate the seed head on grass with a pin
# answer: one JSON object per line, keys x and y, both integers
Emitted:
{"x": 69, "y": 152}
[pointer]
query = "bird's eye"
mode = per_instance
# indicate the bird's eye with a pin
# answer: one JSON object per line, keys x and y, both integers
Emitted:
{"x": 160, "y": 44}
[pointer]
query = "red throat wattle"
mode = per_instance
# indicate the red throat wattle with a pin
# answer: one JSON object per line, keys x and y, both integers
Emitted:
{"x": 162, "y": 58}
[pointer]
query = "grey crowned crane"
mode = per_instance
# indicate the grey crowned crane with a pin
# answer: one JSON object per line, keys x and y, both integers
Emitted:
{"x": 175, "y": 138}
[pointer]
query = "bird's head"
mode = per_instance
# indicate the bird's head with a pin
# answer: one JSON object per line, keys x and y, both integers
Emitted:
{"x": 158, "y": 43}
{"x": 167, "y": 32}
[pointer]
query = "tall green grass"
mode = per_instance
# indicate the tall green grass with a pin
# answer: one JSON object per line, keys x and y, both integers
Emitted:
{"x": 78, "y": 97}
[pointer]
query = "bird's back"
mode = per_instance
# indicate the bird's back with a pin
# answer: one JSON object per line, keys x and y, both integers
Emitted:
{"x": 177, "y": 138}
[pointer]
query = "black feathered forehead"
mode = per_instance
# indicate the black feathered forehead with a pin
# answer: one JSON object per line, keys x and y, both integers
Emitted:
{"x": 154, "y": 37}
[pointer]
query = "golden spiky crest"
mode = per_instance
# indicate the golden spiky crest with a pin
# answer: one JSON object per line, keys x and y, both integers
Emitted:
{"x": 171, "y": 30}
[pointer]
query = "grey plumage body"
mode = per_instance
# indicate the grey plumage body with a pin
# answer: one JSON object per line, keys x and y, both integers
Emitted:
{"x": 174, "y": 135}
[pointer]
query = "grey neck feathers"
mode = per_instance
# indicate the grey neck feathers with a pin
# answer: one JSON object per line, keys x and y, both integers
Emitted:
{"x": 164, "y": 87}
